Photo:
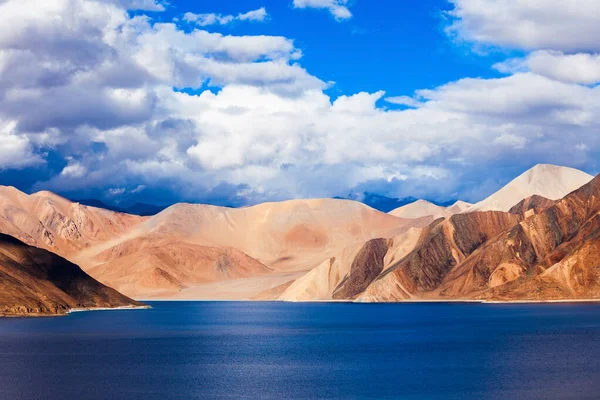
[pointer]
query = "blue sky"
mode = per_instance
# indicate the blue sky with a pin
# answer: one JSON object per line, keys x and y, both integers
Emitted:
{"x": 239, "y": 102}
{"x": 399, "y": 50}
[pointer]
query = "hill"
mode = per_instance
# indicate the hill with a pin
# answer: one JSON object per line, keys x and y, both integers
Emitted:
{"x": 34, "y": 282}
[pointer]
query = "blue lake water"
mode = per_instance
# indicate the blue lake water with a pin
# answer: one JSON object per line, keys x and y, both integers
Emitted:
{"x": 205, "y": 350}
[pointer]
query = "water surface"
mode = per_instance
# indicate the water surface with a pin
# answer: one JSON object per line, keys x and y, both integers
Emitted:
{"x": 205, "y": 350}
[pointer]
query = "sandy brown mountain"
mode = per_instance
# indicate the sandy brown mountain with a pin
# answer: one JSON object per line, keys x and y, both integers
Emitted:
{"x": 204, "y": 252}
{"x": 366, "y": 266}
{"x": 343, "y": 275}
{"x": 152, "y": 266}
{"x": 89, "y": 236}
{"x": 322, "y": 249}
{"x": 35, "y": 281}
{"x": 532, "y": 205}
{"x": 286, "y": 235}
{"x": 442, "y": 248}
{"x": 565, "y": 241}
{"x": 423, "y": 208}
{"x": 543, "y": 250}
{"x": 195, "y": 251}
{"x": 49, "y": 221}
{"x": 414, "y": 263}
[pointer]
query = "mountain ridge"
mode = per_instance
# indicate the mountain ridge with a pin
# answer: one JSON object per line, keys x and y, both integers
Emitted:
{"x": 37, "y": 282}
{"x": 548, "y": 250}
{"x": 424, "y": 208}
{"x": 198, "y": 251}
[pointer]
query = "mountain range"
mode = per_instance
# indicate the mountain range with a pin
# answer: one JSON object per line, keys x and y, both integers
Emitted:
{"x": 535, "y": 239}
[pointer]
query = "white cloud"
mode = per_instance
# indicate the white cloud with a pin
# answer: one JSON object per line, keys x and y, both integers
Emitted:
{"x": 508, "y": 139}
{"x": 116, "y": 191}
{"x": 361, "y": 103}
{"x": 403, "y": 101}
{"x": 208, "y": 19}
{"x": 569, "y": 26}
{"x": 93, "y": 84}
{"x": 259, "y": 15}
{"x": 580, "y": 68}
{"x": 338, "y": 8}
{"x": 16, "y": 150}
{"x": 74, "y": 169}
{"x": 143, "y": 5}
{"x": 256, "y": 15}
{"x": 267, "y": 141}
{"x": 139, "y": 189}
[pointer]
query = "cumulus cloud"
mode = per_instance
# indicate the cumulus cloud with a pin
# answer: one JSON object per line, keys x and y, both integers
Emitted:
{"x": 94, "y": 86}
{"x": 337, "y": 8}
{"x": 143, "y": 5}
{"x": 16, "y": 151}
{"x": 73, "y": 169}
{"x": 580, "y": 68}
{"x": 569, "y": 26}
{"x": 259, "y": 15}
{"x": 403, "y": 101}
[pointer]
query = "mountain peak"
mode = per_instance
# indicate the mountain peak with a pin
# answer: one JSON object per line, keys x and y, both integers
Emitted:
{"x": 550, "y": 181}
{"x": 420, "y": 208}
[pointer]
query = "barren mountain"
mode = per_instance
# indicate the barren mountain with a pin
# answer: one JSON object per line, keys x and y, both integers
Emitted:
{"x": 326, "y": 249}
{"x": 421, "y": 208}
{"x": 549, "y": 181}
{"x": 564, "y": 240}
{"x": 543, "y": 250}
{"x": 459, "y": 206}
{"x": 150, "y": 266}
{"x": 334, "y": 277}
{"x": 424, "y": 208}
{"x": 412, "y": 265}
{"x": 47, "y": 220}
{"x": 187, "y": 249}
{"x": 34, "y": 281}
{"x": 532, "y": 205}
{"x": 179, "y": 253}
{"x": 285, "y": 235}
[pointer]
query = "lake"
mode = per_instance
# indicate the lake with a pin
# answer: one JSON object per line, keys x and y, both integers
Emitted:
{"x": 229, "y": 350}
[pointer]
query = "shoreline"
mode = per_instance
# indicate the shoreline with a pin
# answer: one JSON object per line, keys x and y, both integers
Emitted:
{"x": 74, "y": 310}
{"x": 415, "y": 301}
{"x": 433, "y": 301}
{"x": 541, "y": 301}
{"x": 123, "y": 308}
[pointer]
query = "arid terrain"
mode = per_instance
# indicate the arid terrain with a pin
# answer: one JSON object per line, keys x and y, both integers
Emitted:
{"x": 535, "y": 239}
{"x": 540, "y": 250}
{"x": 191, "y": 251}
{"x": 35, "y": 282}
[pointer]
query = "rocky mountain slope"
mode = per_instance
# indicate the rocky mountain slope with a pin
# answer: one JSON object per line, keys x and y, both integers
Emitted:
{"x": 541, "y": 250}
{"x": 35, "y": 282}
{"x": 356, "y": 265}
{"x": 150, "y": 266}
{"x": 320, "y": 249}
{"x": 185, "y": 248}
{"x": 49, "y": 221}
{"x": 531, "y": 205}
{"x": 80, "y": 233}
